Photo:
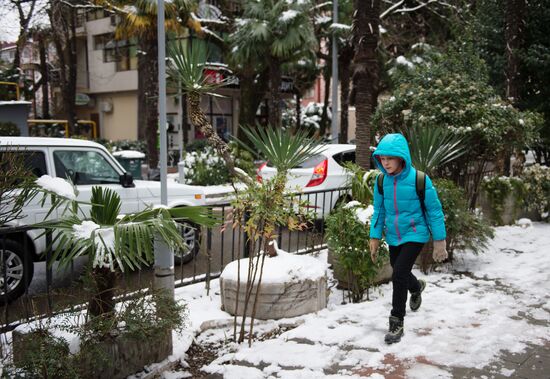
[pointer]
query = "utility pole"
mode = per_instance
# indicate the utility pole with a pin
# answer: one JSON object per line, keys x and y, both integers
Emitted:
{"x": 164, "y": 257}
{"x": 334, "y": 121}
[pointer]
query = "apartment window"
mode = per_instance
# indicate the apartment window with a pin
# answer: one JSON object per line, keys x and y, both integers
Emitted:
{"x": 123, "y": 52}
{"x": 100, "y": 40}
{"x": 97, "y": 14}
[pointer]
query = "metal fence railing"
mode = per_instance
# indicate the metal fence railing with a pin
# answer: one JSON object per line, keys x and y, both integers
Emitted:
{"x": 54, "y": 289}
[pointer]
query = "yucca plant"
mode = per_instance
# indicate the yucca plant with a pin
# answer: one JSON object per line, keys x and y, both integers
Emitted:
{"x": 266, "y": 206}
{"x": 433, "y": 147}
{"x": 186, "y": 72}
{"x": 116, "y": 242}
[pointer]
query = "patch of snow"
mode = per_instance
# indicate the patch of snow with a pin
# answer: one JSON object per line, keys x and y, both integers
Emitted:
{"x": 288, "y": 15}
{"x": 282, "y": 268}
{"x": 129, "y": 154}
{"x": 58, "y": 186}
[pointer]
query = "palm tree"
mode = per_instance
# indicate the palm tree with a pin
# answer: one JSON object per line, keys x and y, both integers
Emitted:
{"x": 365, "y": 73}
{"x": 139, "y": 20}
{"x": 271, "y": 33}
{"x": 114, "y": 241}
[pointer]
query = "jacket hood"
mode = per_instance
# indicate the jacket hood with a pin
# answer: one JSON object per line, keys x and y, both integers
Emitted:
{"x": 393, "y": 145}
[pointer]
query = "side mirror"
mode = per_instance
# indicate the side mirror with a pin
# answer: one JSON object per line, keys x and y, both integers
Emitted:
{"x": 126, "y": 180}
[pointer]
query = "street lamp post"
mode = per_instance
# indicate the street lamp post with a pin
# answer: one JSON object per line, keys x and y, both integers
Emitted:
{"x": 164, "y": 258}
{"x": 334, "y": 121}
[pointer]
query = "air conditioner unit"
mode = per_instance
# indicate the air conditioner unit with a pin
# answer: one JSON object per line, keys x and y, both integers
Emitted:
{"x": 106, "y": 106}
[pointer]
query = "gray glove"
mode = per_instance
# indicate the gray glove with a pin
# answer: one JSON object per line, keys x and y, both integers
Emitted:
{"x": 440, "y": 250}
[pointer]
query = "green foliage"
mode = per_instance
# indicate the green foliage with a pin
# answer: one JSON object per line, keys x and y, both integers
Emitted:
{"x": 186, "y": 69}
{"x": 466, "y": 230}
{"x": 348, "y": 238}
{"x": 498, "y": 189}
{"x": 361, "y": 183}
{"x": 487, "y": 33}
{"x": 117, "y": 241}
{"x": 281, "y": 148}
{"x": 432, "y": 148}
{"x": 17, "y": 187}
{"x": 204, "y": 166}
{"x": 451, "y": 91}
{"x": 9, "y": 129}
{"x": 536, "y": 180}
{"x": 43, "y": 356}
{"x": 145, "y": 318}
{"x": 280, "y": 29}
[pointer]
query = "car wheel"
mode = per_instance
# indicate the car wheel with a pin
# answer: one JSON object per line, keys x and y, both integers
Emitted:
{"x": 191, "y": 237}
{"x": 15, "y": 271}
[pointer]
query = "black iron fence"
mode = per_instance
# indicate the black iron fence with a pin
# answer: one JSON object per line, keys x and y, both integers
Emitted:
{"x": 54, "y": 289}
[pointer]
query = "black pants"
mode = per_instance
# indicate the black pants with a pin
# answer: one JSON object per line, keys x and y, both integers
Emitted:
{"x": 402, "y": 259}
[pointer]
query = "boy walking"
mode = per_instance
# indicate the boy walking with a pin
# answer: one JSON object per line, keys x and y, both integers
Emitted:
{"x": 399, "y": 214}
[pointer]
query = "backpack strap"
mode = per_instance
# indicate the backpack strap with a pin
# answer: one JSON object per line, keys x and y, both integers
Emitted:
{"x": 380, "y": 183}
{"x": 421, "y": 192}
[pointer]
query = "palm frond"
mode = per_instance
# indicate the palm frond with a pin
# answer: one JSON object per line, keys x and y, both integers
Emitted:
{"x": 282, "y": 149}
{"x": 433, "y": 147}
{"x": 186, "y": 68}
{"x": 106, "y": 205}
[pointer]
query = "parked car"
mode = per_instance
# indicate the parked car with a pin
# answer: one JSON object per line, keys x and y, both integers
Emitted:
{"x": 87, "y": 164}
{"x": 320, "y": 179}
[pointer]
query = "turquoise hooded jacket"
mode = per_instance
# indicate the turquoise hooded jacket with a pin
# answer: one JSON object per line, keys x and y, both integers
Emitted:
{"x": 398, "y": 212}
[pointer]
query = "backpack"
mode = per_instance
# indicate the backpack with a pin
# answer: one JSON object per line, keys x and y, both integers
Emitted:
{"x": 420, "y": 188}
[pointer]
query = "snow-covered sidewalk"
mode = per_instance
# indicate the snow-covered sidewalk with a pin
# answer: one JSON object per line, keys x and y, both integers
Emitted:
{"x": 472, "y": 313}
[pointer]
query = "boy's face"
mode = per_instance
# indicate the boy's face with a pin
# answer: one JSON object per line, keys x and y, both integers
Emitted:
{"x": 392, "y": 165}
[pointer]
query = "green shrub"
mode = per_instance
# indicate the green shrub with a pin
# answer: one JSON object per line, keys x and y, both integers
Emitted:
{"x": 205, "y": 167}
{"x": 497, "y": 189}
{"x": 348, "y": 238}
{"x": 536, "y": 180}
{"x": 348, "y": 234}
{"x": 9, "y": 129}
{"x": 466, "y": 230}
{"x": 145, "y": 318}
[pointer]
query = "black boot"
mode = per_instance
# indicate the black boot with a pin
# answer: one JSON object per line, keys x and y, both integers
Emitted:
{"x": 395, "y": 331}
{"x": 416, "y": 297}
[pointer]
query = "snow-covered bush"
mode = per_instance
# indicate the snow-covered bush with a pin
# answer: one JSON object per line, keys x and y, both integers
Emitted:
{"x": 310, "y": 117}
{"x": 204, "y": 166}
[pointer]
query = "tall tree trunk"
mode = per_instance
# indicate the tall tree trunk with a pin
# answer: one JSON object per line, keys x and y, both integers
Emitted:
{"x": 198, "y": 118}
{"x": 24, "y": 22}
{"x": 515, "y": 21}
{"x": 253, "y": 91}
{"x": 324, "y": 114}
{"x": 365, "y": 73}
{"x": 44, "y": 75}
{"x": 63, "y": 21}
{"x": 346, "y": 55}
{"x": 275, "y": 95}
{"x": 149, "y": 99}
{"x": 298, "y": 110}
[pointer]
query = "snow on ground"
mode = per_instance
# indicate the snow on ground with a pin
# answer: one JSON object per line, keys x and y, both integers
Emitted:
{"x": 470, "y": 312}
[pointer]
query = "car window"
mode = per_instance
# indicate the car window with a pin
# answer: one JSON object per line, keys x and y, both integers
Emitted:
{"x": 84, "y": 167}
{"x": 35, "y": 161}
{"x": 312, "y": 162}
{"x": 345, "y": 157}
